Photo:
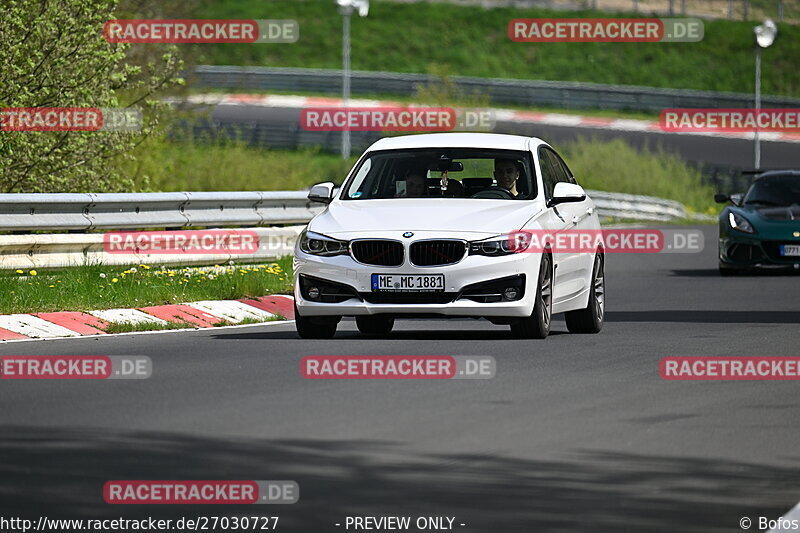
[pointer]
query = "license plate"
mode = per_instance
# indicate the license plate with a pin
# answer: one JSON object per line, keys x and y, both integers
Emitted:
{"x": 407, "y": 282}
{"x": 790, "y": 250}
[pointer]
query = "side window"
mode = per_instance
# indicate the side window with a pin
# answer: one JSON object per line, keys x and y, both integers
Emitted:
{"x": 570, "y": 178}
{"x": 549, "y": 177}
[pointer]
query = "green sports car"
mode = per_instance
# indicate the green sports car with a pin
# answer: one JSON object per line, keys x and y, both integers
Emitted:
{"x": 761, "y": 229}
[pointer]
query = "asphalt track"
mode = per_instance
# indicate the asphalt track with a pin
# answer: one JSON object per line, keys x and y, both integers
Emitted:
{"x": 575, "y": 433}
{"x": 722, "y": 152}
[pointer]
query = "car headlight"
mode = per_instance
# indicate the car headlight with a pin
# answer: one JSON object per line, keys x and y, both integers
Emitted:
{"x": 738, "y": 222}
{"x": 318, "y": 244}
{"x": 508, "y": 244}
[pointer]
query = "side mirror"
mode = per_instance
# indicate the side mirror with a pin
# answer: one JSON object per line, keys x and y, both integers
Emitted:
{"x": 721, "y": 198}
{"x": 567, "y": 192}
{"x": 322, "y": 192}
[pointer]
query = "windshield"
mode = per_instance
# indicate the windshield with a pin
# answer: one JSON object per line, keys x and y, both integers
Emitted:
{"x": 775, "y": 191}
{"x": 443, "y": 173}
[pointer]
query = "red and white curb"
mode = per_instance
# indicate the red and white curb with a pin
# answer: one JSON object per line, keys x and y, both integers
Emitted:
{"x": 203, "y": 314}
{"x": 506, "y": 115}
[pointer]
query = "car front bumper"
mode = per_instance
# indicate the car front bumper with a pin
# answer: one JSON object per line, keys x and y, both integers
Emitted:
{"x": 460, "y": 278}
{"x": 745, "y": 252}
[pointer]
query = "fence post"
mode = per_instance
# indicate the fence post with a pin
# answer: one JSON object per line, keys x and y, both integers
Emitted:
{"x": 746, "y": 14}
{"x": 780, "y": 9}
{"x": 683, "y": 7}
{"x": 671, "y": 7}
{"x": 730, "y": 9}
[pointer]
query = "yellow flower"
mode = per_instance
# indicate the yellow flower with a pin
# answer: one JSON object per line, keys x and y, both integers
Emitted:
{"x": 20, "y": 271}
{"x": 114, "y": 280}
{"x": 51, "y": 286}
{"x": 32, "y": 272}
{"x": 58, "y": 281}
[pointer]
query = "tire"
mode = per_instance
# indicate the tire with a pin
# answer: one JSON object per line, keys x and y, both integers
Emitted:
{"x": 376, "y": 326}
{"x": 315, "y": 327}
{"x": 537, "y": 326}
{"x": 590, "y": 320}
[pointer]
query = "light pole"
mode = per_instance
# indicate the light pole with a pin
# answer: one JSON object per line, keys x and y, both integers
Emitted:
{"x": 346, "y": 8}
{"x": 765, "y": 36}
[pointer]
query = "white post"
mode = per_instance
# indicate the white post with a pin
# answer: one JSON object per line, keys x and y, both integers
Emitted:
{"x": 757, "y": 146}
{"x": 346, "y": 79}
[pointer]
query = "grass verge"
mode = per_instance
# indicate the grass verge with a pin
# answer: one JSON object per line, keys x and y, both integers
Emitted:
{"x": 611, "y": 166}
{"x": 473, "y": 41}
{"x": 103, "y": 287}
{"x": 129, "y": 327}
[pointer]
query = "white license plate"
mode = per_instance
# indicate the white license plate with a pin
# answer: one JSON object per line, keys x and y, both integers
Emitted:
{"x": 790, "y": 249}
{"x": 407, "y": 282}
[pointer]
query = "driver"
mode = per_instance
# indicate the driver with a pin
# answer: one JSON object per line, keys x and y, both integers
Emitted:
{"x": 416, "y": 184}
{"x": 506, "y": 173}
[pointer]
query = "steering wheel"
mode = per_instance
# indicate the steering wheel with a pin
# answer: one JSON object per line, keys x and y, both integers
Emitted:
{"x": 493, "y": 193}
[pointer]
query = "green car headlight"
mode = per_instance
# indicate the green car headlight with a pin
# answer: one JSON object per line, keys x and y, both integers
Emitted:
{"x": 738, "y": 222}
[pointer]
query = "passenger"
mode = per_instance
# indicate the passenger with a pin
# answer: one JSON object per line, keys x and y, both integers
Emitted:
{"x": 506, "y": 173}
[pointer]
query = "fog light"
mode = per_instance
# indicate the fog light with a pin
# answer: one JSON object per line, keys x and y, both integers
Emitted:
{"x": 511, "y": 293}
{"x": 313, "y": 293}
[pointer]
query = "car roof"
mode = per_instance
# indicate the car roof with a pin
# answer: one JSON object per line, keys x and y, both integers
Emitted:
{"x": 495, "y": 141}
{"x": 773, "y": 173}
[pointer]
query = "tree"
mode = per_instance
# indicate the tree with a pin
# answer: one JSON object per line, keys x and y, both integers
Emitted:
{"x": 53, "y": 54}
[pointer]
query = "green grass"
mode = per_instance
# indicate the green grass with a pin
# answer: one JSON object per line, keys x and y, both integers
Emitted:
{"x": 611, "y": 166}
{"x": 129, "y": 327}
{"x": 472, "y": 41}
{"x": 616, "y": 166}
{"x": 166, "y": 166}
{"x": 103, "y": 287}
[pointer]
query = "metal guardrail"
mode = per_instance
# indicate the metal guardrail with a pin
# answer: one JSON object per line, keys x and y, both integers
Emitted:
{"x": 100, "y": 211}
{"x": 62, "y": 212}
{"x": 59, "y": 250}
{"x": 152, "y": 210}
{"x": 565, "y": 95}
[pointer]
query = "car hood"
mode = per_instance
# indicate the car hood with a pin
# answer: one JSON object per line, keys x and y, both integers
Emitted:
{"x": 788, "y": 213}
{"x": 463, "y": 215}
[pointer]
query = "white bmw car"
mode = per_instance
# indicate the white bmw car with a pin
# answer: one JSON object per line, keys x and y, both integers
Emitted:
{"x": 428, "y": 226}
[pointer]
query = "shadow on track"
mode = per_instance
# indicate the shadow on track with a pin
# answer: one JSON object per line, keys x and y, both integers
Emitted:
{"x": 714, "y": 273}
{"x": 706, "y": 317}
{"x": 60, "y": 472}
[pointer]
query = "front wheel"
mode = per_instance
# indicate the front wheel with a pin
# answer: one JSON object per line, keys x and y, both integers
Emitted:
{"x": 590, "y": 320}
{"x": 377, "y": 326}
{"x": 537, "y": 326}
{"x": 315, "y": 327}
